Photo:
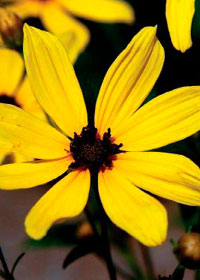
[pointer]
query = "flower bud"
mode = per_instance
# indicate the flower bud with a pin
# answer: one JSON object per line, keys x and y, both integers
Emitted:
{"x": 11, "y": 28}
{"x": 188, "y": 250}
{"x": 84, "y": 230}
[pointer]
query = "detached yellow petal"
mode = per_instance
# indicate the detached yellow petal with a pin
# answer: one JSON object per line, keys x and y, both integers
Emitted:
{"x": 167, "y": 118}
{"x": 53, "y": 80}
{"x": 101, "y": 10}
{"x": 23, "y": 133}
{"x": 31, "y": 174}
{"x": 27, "y": 101}
{"x": 131, "y": 209}
{"x": 64, "y": 200}
{"x": 74, "y": 35}
{"x": 12, "y": 67}
{"x": 129, "y": 80}
{"x": 170, "y": 176}
{"x": 179, "y": 15}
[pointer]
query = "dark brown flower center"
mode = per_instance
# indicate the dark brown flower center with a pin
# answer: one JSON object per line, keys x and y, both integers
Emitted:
{"x": 92, "y": 152}
{"x": 4, "y": 98}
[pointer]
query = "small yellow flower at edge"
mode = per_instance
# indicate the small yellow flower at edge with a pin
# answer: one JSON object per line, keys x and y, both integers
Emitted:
{"x": 117, "y": 145}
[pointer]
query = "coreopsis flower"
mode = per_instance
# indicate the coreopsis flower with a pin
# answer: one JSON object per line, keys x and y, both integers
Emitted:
{"x": 116, "y": 146}
{"x": 58, "y": 15}
{"x": 179, "y": 14}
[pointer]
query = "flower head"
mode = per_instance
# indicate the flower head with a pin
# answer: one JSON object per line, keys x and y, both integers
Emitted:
{"x": 116, "y": 145}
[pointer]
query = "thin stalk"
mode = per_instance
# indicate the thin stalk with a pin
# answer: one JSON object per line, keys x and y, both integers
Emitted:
{"x": 104, "y": 232}
{"x": 147, "y": 261}
{"x": 4, "y": 265}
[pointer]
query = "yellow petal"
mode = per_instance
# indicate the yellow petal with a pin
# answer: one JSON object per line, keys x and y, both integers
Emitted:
{"x": 74, "y": 35}
{"x": 167, "y": 118}
{"x": 26, "y": 8}
{"x": 129, "y": 80}
{"x": 31, "y": 174}
{"x": 12, "y": 67}
{"x": 3, "y": 154}
{"x": 179, "y": 15}
{"x": 23, "y": 133}
{"x": 101, "y": 10}
{"x": 53, "y": 80}
{"x": 131, "y": 209}
{"x": 170, "y": 176}
{"x": 64, "y": 200}
{"x": 25, "y": 98}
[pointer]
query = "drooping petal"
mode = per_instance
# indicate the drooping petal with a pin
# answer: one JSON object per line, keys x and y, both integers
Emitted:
{"x": 12, "y": 67}
{"x": 73, "y": 34}
{"x": 64, "y": 200}
{"x": 53, "y": 80}
{"x": 179, "y": 15}
{"x": 131, "y": 209}
{"x": 27, "y": 101}
{"x": 26, "y": 9}
{"x": 31, "y": 174}
{"x": 167, "y": 118}
{"x": 129, "y": 80}
{"x": 23, "y": 133}
{"x": 101, "y": 10}
{"x": 171, "y": 176}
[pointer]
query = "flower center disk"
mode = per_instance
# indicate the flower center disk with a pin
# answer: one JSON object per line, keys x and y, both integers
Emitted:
{"x": 92, "y": 152}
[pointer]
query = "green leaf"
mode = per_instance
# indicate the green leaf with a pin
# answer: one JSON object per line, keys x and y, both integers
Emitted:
{"x": 85, "y": 248}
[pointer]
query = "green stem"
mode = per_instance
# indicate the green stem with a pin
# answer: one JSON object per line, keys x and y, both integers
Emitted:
{"x": 104, "y": 232}
{"x": 4, "y": 265}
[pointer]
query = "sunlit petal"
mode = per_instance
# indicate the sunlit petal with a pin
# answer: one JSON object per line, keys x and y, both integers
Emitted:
{"x": 136, "y": 212}
{"x": 129, "y": 80}
{"x": 170, "y": 176}
{"x": 64, "y": 200}
{"x": 179, "y": 15}
{"x": 53, "y": 80}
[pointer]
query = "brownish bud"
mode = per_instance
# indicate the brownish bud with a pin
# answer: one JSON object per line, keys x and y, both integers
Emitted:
{"x": 84, "y": 230}
{"x": 11, "y": 28}
{"x": 188, "y": 250}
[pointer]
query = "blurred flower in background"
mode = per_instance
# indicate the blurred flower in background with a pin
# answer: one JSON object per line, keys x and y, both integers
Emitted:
{"x": 179, "y": 14}
{"x": 57, "y": 16}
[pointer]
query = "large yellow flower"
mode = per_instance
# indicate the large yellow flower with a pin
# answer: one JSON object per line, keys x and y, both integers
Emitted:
{"x": 179, "y": 15}
{"x": 57, "y": 15}
{"x": 117, "y": 149}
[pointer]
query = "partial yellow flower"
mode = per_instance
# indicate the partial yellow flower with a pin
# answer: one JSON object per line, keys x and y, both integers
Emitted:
{"x": 15, "y": 89}
{"x": 115, "y": 147}
{"x": 179, "y": 14}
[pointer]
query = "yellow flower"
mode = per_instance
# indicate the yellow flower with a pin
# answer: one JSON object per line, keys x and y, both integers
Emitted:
{"x": 179, "y": 14}
{"x": 76, "y": 149}
{"x": 57, "y": 15}
{"x": 16, "y": 90}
